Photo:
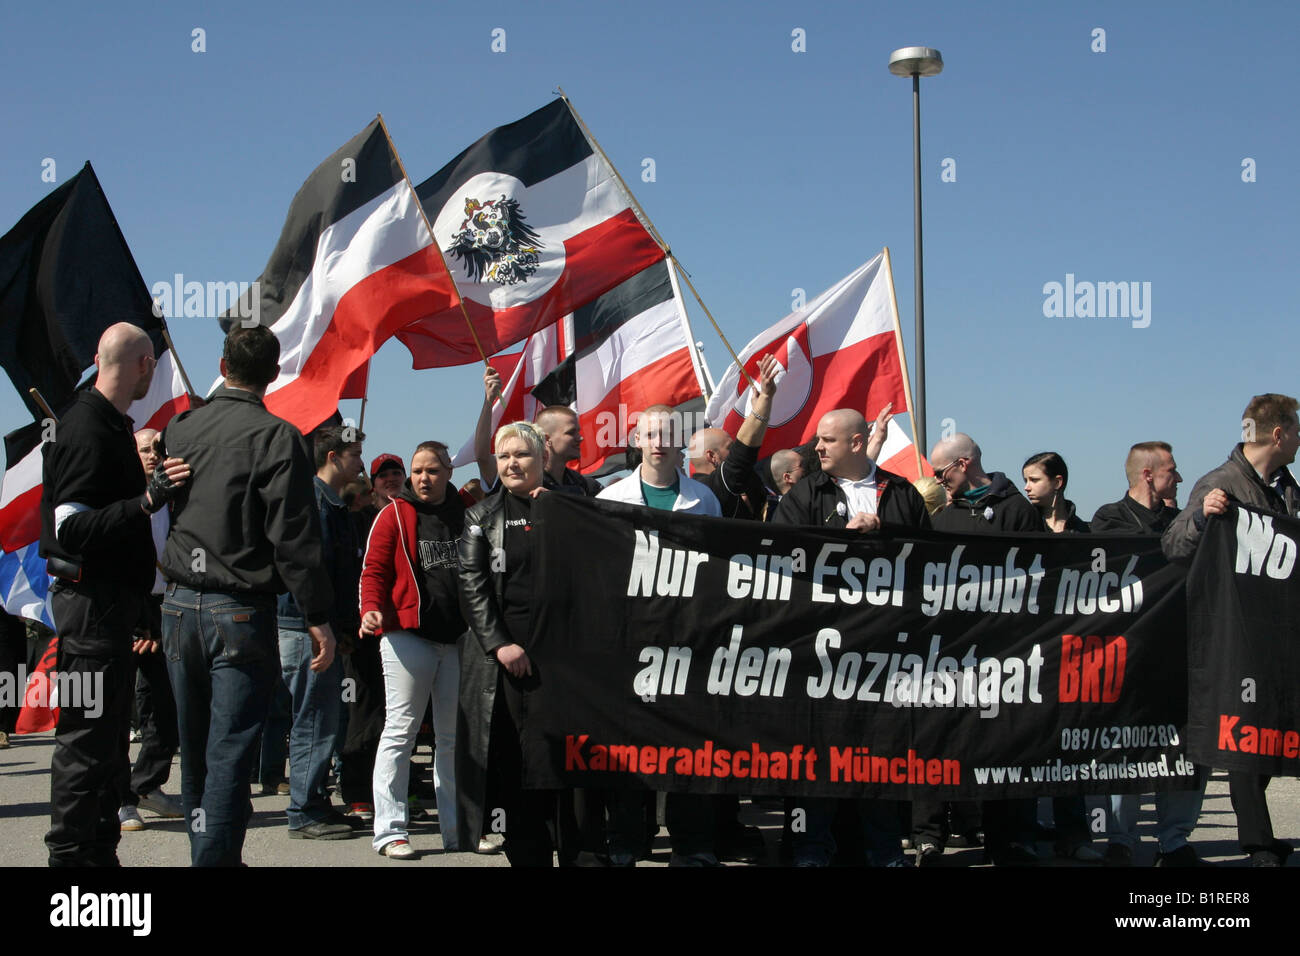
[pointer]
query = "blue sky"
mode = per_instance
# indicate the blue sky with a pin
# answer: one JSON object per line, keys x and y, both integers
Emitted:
{"x": 775, "y": 170}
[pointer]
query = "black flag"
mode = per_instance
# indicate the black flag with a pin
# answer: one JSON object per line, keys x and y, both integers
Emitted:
{"x": 66, "y": 275}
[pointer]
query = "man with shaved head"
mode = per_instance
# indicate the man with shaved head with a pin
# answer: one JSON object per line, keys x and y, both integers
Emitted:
{"x": 852, "y": 493}
{"x": 981, "y": 503}
{"x": 95, "y": 507}
{"x": 1152, "y": 477}
{"x": 787, "y": 469}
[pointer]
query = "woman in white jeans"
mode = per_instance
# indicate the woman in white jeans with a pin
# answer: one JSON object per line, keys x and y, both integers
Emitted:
{"x": 409, "y": 599}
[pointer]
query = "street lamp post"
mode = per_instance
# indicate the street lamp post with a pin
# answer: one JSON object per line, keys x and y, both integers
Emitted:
{"x": 916, "y": 62}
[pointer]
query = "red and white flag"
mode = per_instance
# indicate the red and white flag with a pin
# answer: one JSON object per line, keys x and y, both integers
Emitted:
{"x": 534, "y": 224}
{"x": 841, "y": 350}
{"x": 355, "y": 263}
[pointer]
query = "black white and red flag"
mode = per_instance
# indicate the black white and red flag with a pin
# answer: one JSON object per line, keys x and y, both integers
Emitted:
{"x": 627, "y": 350}
{"x": 534, "y": 224}
{"x": 631, "y": 348}
{"x": 355, "y": 263}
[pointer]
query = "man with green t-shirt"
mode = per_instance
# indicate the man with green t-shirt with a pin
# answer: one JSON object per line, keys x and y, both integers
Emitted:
{"x": 658, "y": 483}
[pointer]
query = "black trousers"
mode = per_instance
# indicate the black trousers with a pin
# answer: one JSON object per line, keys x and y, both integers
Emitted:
{"x": 89, "y": 759}
{"x": 1249, "y": 802}
{"x": 95, "y": 624}
{"x": 159, "y": 731}
{"x": 366, "y": 711}
{"x": 13, "y": 655}
{"x": 529, "y": 816}
{"x": 930, "y": 819}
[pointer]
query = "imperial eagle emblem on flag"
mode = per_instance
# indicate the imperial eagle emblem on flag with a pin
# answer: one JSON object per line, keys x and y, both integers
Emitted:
{"x": 495, "y": 243}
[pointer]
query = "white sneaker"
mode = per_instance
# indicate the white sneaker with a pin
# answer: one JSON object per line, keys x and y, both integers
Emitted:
{"x": 162, "y": 805}
{"x": 490, "y": 843}
{"x": 129, "y": 819}
{"x": 398, "y": 850}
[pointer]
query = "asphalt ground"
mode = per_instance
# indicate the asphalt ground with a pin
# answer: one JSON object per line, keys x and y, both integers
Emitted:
{"x": 24, "y": 819}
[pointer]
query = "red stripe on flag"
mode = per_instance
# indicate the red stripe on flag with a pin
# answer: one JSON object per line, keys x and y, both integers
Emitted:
{"x": 596, "y": 260}
{"x": 36, "y": 714}
{"x": 169, "y": 410}
{"x": 355, "y": 386}
{"x": 20, "y": 521}
{"x": 366, "y": 316}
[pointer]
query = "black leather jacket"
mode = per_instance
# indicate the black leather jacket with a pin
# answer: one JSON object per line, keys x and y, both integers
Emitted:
{"x": 481, "y": 591}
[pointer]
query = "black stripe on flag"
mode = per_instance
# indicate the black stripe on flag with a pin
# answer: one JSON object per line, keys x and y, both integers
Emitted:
{"x": 596, "y": 321}
{"x": 332, "y": 192}
{"x": 537, "y": 147}
{"x": 66, "y": 275}
{"x": 20, "y": 442}
{"x": 560, "y": 387}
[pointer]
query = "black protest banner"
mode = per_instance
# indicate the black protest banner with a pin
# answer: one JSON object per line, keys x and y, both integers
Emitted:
{"x": 715, "y": 656}
{"x": 1243, "y": 647}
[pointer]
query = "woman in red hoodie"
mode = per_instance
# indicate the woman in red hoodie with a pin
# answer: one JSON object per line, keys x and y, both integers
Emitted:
{"x": 409, "y": 596}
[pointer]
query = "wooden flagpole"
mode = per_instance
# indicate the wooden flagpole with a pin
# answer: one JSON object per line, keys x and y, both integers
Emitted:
{"x": 654, "y": 233}
{"x": 902, "y": 357}
{"x": 39, "y": 399}
{"x": 434, "y": 239}
{"x": 176, "y": 357}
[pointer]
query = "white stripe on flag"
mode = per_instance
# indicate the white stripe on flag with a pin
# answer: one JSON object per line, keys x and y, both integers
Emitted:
{"x": 654, "y": 334}
{"x": 22, "y": 477}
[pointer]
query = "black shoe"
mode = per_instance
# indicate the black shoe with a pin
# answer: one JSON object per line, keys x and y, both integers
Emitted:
{"x": 1274, "y": 857}
{"x": 1183, "y": 856}
{"x": 321, "y": 830}
{"x": 693, "y": 859}
{"x": 927, "y": 854}
{"x": 743, "y": 845}
{"x": 968, "y": 839}
{"x": 1117, "y": 854}
{"x": 1013, "y": 854}
{"x": 342, "y": 819}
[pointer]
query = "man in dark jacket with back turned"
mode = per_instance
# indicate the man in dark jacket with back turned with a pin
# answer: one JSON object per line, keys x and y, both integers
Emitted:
{"x": 245, "y": 530}
{"x": 95, "y": 507}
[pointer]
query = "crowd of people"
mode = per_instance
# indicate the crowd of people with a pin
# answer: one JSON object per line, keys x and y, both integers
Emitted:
{"x": 260, "y": 600}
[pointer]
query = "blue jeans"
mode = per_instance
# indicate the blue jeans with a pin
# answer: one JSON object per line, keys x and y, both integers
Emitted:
{"x": 317, "y": 700}
{"x": 222, "y": 660}
{"x": 1176, "y": 814}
